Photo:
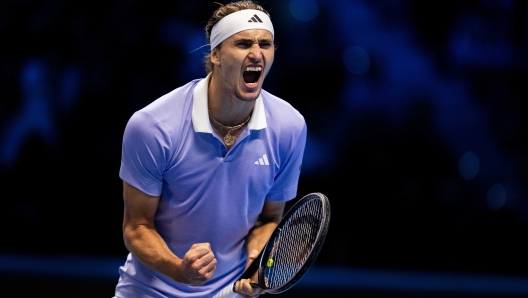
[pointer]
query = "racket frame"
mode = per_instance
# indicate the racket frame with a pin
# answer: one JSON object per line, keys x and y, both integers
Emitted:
{"x": 260, "y": 262}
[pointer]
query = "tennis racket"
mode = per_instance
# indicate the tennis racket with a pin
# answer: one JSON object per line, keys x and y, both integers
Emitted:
{"x": 292, "y": 247}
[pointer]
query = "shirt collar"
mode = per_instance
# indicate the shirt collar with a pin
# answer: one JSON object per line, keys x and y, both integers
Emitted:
{"x": 200, "y": 115}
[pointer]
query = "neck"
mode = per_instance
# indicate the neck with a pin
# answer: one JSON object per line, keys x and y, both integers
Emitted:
{"x": 223, "y": 104}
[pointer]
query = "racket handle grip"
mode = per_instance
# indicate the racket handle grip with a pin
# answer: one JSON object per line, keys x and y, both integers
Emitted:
{"x": 226, "y": 292}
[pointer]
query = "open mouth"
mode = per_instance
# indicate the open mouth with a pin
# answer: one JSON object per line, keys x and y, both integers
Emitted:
{"x": 252, "y": 74}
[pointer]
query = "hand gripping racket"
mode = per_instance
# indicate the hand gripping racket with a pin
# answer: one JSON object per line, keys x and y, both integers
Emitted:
{"x": 292, "y": 247}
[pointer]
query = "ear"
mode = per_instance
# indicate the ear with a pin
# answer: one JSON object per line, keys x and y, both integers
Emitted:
{"x": 215, "y": 57}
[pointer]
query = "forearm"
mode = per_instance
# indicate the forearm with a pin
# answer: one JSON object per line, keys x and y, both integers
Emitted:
{"x": 257, "y": 238}
{"x": 152, "y": 251}
{"x": 259, "y": 235}
{"x": 268, "y": 220}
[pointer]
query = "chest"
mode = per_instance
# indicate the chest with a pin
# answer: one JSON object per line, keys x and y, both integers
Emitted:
{"x": 202, "y": 163}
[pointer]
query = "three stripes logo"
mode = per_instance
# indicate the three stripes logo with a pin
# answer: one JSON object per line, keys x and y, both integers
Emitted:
{"x": 263, "y": 161}
{"x": 255, "y": 19}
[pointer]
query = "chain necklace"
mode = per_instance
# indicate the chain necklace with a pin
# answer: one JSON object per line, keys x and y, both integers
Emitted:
{"x": 228, "y": 138}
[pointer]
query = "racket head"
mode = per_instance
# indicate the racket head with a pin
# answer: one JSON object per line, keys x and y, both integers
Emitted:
{"x": 294, "y": 244}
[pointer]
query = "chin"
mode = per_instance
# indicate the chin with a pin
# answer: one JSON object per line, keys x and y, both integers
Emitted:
{"x": 245, "y": 96}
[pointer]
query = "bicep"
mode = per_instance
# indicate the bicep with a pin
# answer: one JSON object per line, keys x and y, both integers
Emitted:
{"x": 140, "y": 208}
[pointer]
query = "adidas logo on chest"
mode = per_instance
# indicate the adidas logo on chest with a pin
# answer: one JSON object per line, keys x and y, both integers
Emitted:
{"x": 263, "y": 161}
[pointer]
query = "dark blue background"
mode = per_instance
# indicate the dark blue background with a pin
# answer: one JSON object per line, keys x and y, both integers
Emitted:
{"x": 417, "y": 124}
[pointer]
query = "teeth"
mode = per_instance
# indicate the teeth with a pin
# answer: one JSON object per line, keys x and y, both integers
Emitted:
{"x": 253, "y": 68}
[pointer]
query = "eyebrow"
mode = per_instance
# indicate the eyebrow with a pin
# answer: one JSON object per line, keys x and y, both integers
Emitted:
{"x": 242, "y": 39}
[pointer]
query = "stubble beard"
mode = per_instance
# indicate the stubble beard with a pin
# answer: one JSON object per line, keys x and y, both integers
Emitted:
{"x": 240, "y": 97}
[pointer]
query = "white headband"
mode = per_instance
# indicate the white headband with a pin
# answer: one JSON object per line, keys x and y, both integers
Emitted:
{"x": 239, "y": 21}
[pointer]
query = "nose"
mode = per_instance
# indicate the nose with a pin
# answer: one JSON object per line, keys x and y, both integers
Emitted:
{"x": 255, "y": 52}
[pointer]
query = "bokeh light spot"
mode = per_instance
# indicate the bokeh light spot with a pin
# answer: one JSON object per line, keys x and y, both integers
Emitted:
{"x": 496, "y": 197}
{"x": 469, "y": 165}
{"x": 304, "y": 10}
{"x": 356, "y": 60}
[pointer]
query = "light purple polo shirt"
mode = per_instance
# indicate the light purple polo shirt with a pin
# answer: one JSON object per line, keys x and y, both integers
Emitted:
{"x": 208, "y": 194}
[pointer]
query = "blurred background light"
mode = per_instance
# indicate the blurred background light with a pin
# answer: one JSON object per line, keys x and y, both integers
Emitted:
{"x": 356, "y": 60}
{"x": 304, "y": 10}
{"x": 496, "y": 197}
{"x": 469, "y": 165}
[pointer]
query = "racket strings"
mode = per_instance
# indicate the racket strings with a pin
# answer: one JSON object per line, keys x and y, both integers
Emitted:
{"x": 292, "y": 247}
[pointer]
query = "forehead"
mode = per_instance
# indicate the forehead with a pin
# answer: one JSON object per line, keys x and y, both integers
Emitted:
{"x": 253, "y": 34}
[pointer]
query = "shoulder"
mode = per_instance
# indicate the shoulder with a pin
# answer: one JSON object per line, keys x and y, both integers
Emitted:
{"x": 281, "y": 112}
{"x": 170, "y": 106}
{"x": 176, "y": 98}
{"x": 167, "y": 112}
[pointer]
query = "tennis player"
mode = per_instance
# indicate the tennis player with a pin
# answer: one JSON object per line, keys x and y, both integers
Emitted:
{"x": 208, "y": 168}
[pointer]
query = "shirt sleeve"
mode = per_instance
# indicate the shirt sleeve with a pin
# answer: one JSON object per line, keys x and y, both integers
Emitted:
{"x": 292, "y": 146}
{"x": 144, "y": 153}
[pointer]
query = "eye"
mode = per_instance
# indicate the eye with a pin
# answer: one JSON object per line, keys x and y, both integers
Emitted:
{"x": 244, "y": 44}
{"x": 265, "y": 44}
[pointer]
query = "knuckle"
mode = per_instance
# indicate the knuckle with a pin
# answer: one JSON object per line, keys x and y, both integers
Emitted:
{"x": 196, "y": 267}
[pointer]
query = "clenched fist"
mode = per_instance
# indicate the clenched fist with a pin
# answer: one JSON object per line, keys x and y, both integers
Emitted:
{"x": 198, "y": 264}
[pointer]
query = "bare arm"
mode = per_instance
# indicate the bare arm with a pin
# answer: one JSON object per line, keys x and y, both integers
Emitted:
{"x": 270, "y": 217}
{"x": 141, "y": 239}
{"x": 267, "y": 222}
